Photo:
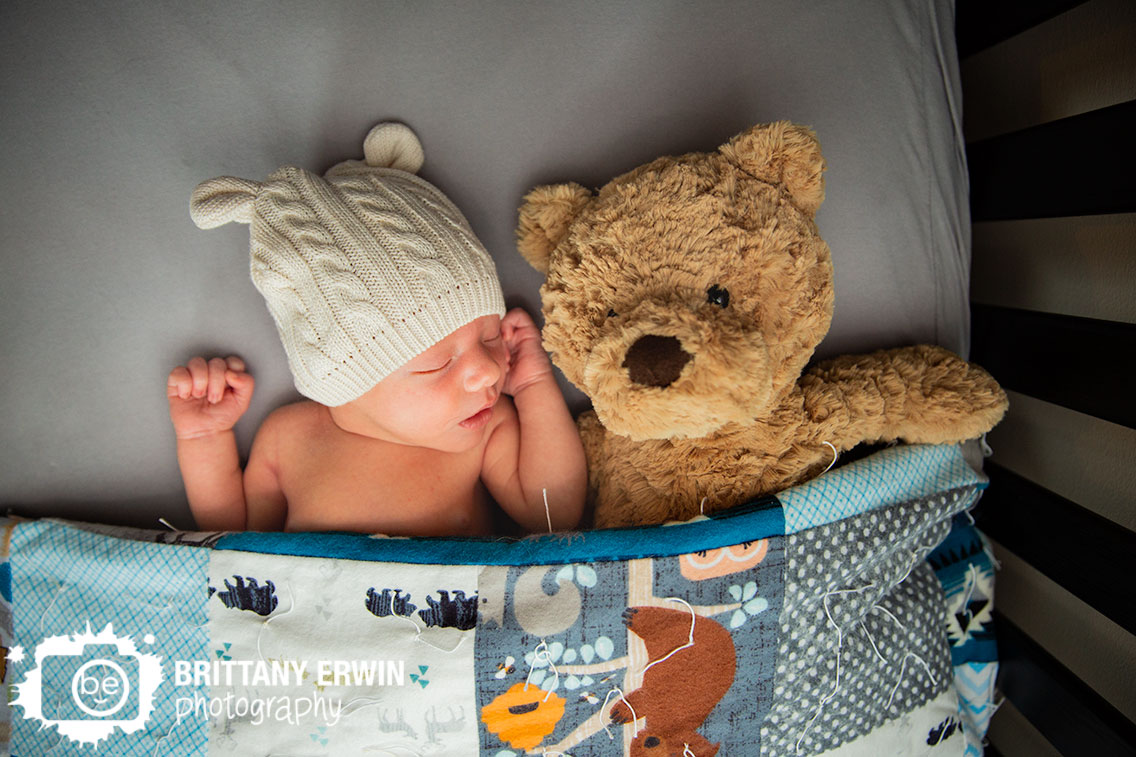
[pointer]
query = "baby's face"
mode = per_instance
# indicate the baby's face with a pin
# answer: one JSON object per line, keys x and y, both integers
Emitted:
{"x": 434, "y": 400}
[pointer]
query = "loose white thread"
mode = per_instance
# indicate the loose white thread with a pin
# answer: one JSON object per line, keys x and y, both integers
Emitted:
{"x": 839, "y": 648}
{"x": 702, "y": 506}
{"x": 986, "y": 450}
{"x": 159, "y": 741}
{"x": 686, "y": 750}
{"x": 168, "y": 606}
{"x": 292, "y": 606}
{"x": 971, "y": 584}
{"x": 903, "y": 665}
{"x": 835, "y": 457}
{"x": 420, "y": 640}
{"x": 548, "y": 661}
{"x": 902, "y": 668}
{"x": 367, "y": 703}
{"x": 62, "y": 586}
{"x": 187, "y": 627}
{"x": 887, "y": 612}
{"x": 690, "y": 641}
{"x": 547, "y": 514}
{"x": 916, "y": 559}
{"x": 872, "y": 642}
{"x": 166, "y": 523}
{"x": 58, "y": 744}
{"x": 634, "y": 717}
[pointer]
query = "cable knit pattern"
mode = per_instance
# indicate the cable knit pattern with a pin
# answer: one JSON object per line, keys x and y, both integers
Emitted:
{"x": 363, "y": 268}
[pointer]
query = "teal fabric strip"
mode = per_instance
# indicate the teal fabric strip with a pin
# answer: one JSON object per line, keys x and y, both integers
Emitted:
{"x": 890, "y": 476}
{"x": 750, "y": 522}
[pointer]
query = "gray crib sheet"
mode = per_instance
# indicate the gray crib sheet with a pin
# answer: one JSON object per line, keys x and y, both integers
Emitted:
{"x": 113, "y": 112}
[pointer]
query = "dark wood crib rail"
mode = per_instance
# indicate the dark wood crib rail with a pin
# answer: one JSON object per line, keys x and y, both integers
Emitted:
{"x": 1056, "y": 361}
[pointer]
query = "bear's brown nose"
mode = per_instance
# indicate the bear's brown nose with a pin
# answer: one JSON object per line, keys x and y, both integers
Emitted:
{"x": 655, "y": 360}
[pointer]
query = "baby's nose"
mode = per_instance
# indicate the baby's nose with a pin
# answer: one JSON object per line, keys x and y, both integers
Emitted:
{"x": 484, "y": 370}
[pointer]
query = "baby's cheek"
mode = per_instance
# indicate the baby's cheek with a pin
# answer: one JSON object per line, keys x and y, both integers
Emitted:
{"x": 423, "y": 407}
{"x": 432, "y": 406}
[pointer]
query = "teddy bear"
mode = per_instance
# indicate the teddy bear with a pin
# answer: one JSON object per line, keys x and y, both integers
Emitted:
{"x": 685, "y": 298}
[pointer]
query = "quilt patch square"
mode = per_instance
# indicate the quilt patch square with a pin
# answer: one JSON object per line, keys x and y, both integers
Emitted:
{"x": 66, "y": 579}
{"x": 380, "y": 654}
{"x": 894, "y": 474}
{"x": 679, "y": 648}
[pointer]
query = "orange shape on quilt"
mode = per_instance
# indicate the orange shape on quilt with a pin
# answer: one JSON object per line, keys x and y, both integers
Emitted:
{"x": 712, "y": 563}
{"x": 522, "y": 718}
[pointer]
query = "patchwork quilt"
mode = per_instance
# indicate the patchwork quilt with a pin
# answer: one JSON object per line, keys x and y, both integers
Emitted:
{"x": 846, "y": 616}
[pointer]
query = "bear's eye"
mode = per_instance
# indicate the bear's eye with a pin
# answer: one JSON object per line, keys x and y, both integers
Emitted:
{"x": 611, "y": 313}
{"x": 651, "y": 742}
{"x": 719, "y": 296}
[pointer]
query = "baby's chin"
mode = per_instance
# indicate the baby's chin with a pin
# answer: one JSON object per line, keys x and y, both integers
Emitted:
{"x": 454, "y": 440}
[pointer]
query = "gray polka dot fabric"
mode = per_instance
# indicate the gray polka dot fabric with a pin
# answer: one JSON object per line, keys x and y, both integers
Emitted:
{"x": 862, "y": 626}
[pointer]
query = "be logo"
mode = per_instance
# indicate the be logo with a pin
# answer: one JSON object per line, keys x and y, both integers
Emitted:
{"x": 101, "y": 687}
{"x": 86, "y": 685}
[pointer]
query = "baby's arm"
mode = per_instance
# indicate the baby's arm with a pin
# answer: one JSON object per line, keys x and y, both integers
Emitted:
{"x": 206, "y": 399}
{"x": 536, "y": 446}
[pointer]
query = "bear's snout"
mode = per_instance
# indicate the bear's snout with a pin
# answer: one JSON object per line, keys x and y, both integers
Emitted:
{"x": 655, "y": 360}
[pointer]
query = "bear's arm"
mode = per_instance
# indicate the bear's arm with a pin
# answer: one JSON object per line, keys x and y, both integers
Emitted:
{"x": 921, "y": 395}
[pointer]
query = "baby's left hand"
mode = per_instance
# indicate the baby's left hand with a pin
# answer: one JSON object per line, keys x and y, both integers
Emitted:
{"x": 528, "y": 362}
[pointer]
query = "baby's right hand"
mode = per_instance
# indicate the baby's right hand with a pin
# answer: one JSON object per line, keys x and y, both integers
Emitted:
{"x": 207, "y": 398}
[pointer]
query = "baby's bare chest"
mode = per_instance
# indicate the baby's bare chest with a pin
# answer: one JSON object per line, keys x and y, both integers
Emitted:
{"x": 375, "y": 487}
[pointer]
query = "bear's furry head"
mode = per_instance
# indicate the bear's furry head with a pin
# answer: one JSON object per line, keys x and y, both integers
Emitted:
{"x": 690, "y": 292}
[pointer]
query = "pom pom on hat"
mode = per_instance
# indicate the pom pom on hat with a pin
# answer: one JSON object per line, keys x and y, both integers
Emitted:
{"x": 393, "y": 145}
{"x": 388, "y": 145}
{"x": 363, "y": 268}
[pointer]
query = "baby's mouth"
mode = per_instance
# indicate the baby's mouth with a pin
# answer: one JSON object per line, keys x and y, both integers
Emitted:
{"x": 488, "y": 406}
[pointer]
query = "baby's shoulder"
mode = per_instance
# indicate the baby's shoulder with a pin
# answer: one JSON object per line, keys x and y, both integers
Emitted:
{"x": 290, "y": 433}
{"x": 304, "y": 417}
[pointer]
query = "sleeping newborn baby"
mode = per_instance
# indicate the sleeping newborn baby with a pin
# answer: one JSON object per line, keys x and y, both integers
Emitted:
{"x": 393, "y": 321}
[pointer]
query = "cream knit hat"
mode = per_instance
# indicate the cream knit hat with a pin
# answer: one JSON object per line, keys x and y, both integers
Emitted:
{"x": 363, "y": 268}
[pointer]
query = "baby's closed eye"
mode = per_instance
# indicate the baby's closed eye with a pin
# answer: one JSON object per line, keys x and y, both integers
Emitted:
{"x": 433, "y": 370}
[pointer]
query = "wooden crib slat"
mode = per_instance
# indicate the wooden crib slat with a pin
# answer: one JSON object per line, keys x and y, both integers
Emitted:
{"x": 1071, "y": 716}
{"x": 1079, "y": 165}
{"x": 1083, "y": 364}
{"x": 1088, "y": 555}
{"x": 980, "y": 24}
{"x": 1080, "y": 265}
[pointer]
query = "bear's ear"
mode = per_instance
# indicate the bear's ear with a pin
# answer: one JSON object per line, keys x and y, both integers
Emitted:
{"x": 219, "y": 201}
{"x": 782, "y": 153}
{"x": 545, "y": 216}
